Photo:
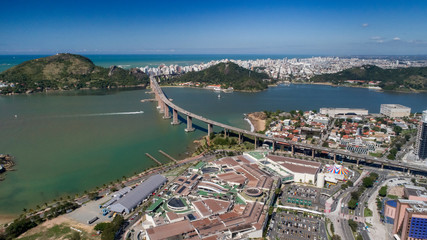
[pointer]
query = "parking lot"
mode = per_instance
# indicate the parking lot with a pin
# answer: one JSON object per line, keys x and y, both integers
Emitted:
{"x": 303, "y": 196}
{"x": 289, "y": 226}
{"x": 90, "y": 210}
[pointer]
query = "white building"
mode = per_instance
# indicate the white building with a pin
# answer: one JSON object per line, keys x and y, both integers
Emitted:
{"x": 395, "y": 110}
{"x": 343, "y": 111}
{"x": 302, "y": 170}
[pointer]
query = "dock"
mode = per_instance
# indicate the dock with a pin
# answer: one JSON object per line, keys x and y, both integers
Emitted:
{"x": 168, "y": 156}
{"x": 152, "y": 158}
{"x": 148, "y": 100}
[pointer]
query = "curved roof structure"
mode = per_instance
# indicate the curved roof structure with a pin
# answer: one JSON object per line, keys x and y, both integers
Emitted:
{"x": 337, "y": 169}
{"x": 137, "y": 195}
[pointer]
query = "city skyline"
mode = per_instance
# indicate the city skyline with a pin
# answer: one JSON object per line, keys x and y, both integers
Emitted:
{"x": 225, "y": 27}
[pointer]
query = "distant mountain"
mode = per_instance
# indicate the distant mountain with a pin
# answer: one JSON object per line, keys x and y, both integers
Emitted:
{"x": 228, "y": 75}
{"x": 402, "y": 79}
{"x": 67, "y": 71}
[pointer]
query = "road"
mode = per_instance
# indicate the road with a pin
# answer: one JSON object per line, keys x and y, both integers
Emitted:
{"x": 159, "y": 92}
{"x": 133, "y": 219}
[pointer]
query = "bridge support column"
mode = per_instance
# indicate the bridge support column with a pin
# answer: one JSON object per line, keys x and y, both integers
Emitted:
{"x": 357, "y": 162}
{"x": 335, "y": 157}
{"x": 409, "y": 171}
{"x": 174, "y": 117}
{"x": 312, "y": 153}
{"x": 166, "y": 112}
{"x": 382, "y": 165}
{"x": 225, "y": 133}
{"x": 274, "y": 146}
{"x": 210, "y": 130}
{"x": 292, "y": 150}
{"x": 162, "y": 106}
{"x": 159, "y": 102}
{"x": 282, "y": 147}
{"x": 189, "y": 124}
{"x": 256, "y": 142}
{"x": 240, "y": 138}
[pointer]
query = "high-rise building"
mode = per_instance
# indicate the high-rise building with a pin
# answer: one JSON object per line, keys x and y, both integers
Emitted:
{"x": 410, "y": 220}
{"x": 421, "y": 141}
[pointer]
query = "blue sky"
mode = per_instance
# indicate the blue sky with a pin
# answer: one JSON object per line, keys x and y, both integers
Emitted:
{"x": 236, "y": 27}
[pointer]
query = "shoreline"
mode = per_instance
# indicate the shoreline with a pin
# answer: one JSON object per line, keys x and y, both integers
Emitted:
{"x": 250, "y": 123}
{"x": 188, "y": 157}
{"x": 349, "y": 86}
{"x": 52, "y": 91}
{"x": 222, "y": 90}
{"x": 257, "y": 121}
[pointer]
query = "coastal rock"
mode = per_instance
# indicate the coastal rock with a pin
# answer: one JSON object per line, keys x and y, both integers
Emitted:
{"x": 112, "y": 70}
{"x": 258, "y": 120}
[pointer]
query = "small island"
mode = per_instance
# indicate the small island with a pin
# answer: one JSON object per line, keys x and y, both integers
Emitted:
{"x": 6, "y": 164}
{"x": 66, "y": 71}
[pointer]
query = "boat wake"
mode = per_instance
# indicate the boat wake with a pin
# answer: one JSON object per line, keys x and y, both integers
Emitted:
{"x": 104, "y": 114}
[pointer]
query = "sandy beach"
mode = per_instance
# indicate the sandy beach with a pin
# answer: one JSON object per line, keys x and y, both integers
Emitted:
{"x": 257, "y": 120}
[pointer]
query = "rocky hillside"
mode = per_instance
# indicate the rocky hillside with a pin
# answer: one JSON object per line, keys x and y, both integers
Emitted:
{"x": 228, "y": 75}
{"x": 67, "y": 71}
{"x": 405, "y": 79}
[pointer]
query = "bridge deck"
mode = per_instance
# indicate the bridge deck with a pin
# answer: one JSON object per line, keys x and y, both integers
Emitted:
{"x": 157, "y": 90}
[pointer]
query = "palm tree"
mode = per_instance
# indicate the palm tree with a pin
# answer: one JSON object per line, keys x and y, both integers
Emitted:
{"x": 24, "y": 210}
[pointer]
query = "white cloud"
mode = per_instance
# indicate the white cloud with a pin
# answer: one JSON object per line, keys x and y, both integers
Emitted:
{"x": 365, "y": 25}
{"x": 376, "y": 38}
{"x": 396, "y": 39}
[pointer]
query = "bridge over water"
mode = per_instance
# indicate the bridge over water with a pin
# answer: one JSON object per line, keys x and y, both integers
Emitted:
{"x": 166, "y": 107}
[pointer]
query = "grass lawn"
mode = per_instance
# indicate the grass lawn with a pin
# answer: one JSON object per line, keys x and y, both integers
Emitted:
{"x": 375, "y": 154}
{"x": 394, "y": 197}
{"x": 61, "y": 231}
{"x": 367, "y": 212}
{"x": 240, "y": 201}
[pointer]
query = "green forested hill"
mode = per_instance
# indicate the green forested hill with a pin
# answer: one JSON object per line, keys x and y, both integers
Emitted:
{"x": 228, "y": 75}
{"x": 67, "y": 71}
{"x": 412, "y": 78}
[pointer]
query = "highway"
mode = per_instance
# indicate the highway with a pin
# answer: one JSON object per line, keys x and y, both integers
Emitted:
{"x": 158, "y": 91}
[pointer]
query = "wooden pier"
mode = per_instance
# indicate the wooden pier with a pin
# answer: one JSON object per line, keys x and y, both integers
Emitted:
{"x": 168, "y": 156}
{"x": 152, "y": 158}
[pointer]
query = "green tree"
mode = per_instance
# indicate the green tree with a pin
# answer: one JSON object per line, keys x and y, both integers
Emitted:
{"x": 19, "y": 226}
{"x": 374, "y": 175}
{"x": 352, "y": 224}
{"x": 355, "y": 195}
{"x": 352, "y": 204}
{"x": 75, "y": 236}
{"x": 368, "y": 182}
{"x": 336, "y": 237}
{"x": 383, "y": 191}
{"x": 397, "y": 130}
{"x": 101, "y": 226}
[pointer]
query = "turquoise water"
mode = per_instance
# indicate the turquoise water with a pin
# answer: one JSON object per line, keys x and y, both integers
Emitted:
{"x": 66, "y": 143}
{"x": 130, "y": 61}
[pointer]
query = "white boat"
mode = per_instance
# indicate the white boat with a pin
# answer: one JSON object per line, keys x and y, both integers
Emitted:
{"x": 219, "y": 95}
